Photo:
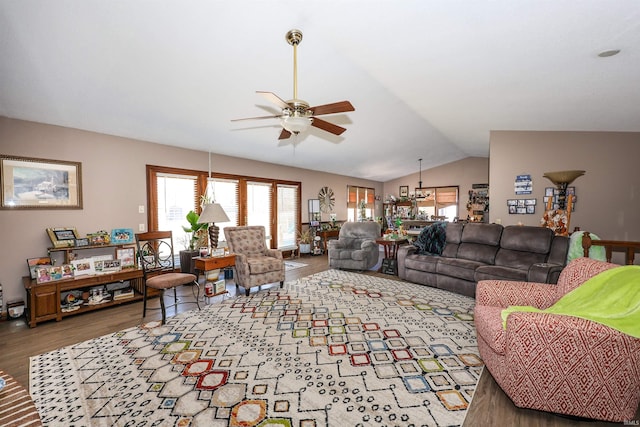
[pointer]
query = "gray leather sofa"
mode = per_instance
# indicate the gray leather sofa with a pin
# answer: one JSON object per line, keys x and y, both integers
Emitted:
{"x": 475, "y": 252}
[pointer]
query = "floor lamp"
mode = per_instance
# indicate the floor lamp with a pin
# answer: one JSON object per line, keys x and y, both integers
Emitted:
{"x": 212, "y": 213}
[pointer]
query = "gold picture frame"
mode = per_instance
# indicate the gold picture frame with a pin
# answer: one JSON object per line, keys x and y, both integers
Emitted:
{"x": 31, "y": 183}
{"x": 63, "y": 237}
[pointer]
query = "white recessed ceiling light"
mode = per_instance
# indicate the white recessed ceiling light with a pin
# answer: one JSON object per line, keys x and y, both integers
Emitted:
{"x": 608, "y": 53}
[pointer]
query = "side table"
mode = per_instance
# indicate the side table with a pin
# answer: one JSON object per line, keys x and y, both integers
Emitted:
{"x": 204, "y": 264}
{"x": 390, "y": 262}
{"x": 16, "y": 406}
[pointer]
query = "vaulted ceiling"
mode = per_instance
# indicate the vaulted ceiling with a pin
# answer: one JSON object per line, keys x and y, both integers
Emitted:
{"x": 428, "y": 79}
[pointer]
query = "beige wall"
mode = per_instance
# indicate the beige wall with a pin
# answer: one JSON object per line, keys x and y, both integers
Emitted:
{"x": 114, "y": 185}
{"x": 608, "y": 195}
{"x": 463, "y": 173}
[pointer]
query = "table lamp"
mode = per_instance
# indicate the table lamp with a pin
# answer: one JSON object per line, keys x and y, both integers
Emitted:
{"x": 212, "y": 213}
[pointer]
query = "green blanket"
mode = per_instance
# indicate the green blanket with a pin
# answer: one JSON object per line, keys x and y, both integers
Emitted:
{"x": 611, "y": 298}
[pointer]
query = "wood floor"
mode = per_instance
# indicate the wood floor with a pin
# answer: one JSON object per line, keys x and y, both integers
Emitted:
{"x": 490, "y": 406}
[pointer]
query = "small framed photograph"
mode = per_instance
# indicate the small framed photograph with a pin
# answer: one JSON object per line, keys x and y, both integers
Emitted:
{"x": 110, "y": 266}
{"x": 529, "y": 202}
{"x": 512, "y": 202}
{"x": 548, "y": 191}
{"x": 63, "y": 237}
{"x": 29, "y": 183}
{"x": 121, "y": 235}
{"x": 404, "y": 191}
{"x": 520, "y": 203}
{"x": 82, "y": 242}
{"x": 83, "y": 266}
{"x": 531, "y": 209}
{"x": 42, "y": 273}
{"x": 99, "y": 238}
{"x": 67, "y": 271}
{"x": 512, "y": 209}
{"x": 55, "y": 272}
{"x": 127, "y": 257}
{"x": 32, "y": 263}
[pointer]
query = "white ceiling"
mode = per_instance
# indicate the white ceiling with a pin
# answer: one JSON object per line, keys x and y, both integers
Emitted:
{"x": 428, "y": 79}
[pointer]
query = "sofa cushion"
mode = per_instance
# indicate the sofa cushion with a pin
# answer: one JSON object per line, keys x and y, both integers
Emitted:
{"x": 484, "y": 254}
{"x": 526, "y": 238}
{"x": 421, "y": 262}
{"x": 518, "y": 259}
{"x": 485, "y": 234}
{"x": 454, "y": 233}
{"x": 457, "y": 267}
{"x": 500, "y": 272}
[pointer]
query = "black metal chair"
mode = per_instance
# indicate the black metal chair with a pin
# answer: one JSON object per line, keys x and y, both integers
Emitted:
{"x": 156, "y": 257}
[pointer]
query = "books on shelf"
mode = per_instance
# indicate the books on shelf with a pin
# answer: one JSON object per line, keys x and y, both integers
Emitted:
{"x": 120, "y": 294}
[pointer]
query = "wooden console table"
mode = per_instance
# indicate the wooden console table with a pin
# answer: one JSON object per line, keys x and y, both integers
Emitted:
{"x": 204, "y": 264}
{"x": 16, "y": 405}
{"x": 44, "y": 301}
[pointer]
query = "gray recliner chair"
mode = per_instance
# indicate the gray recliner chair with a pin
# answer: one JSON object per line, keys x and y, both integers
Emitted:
{"x": 356, "y": 248}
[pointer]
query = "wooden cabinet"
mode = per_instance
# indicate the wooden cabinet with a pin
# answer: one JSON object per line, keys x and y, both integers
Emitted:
{"x": 44, "y": 299}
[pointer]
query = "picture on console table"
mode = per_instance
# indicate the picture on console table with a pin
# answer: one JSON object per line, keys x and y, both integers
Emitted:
{"x": 30, "y": 183}
{"x": 33, "y": 263}
{"x": 63, "y": 237}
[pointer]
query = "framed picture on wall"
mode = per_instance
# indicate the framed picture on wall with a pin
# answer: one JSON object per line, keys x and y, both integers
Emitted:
{"x": 404, "y": 191}
{"x": 30, "y": 183}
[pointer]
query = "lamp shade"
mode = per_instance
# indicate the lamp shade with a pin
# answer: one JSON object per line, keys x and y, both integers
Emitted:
{"x": 213, "y": 212}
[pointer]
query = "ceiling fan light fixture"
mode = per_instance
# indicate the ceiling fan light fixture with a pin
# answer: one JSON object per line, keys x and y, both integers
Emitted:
{"x": 296, "y": 124}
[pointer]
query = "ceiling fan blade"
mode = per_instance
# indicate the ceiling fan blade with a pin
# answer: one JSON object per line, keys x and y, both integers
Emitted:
{"x": 284, "y": 134}
{"x": 336, "y": 107}
{"x": 272, "y": 97}
{"x": 329, "y": 127}
{"x": 256, "y": 118}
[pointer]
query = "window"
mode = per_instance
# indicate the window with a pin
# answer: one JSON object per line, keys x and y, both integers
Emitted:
{"x": 287, "y": 202}
{"x": 176, "y": 196}
{"x": 438, "y": 201}
{"x": 173, "y": 192}
{"x": 360, "y": 200}
{"x": 259, "y": 207}
{"x": 225, "y": 192}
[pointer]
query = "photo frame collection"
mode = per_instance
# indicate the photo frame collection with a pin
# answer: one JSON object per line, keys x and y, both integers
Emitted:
{"x": 68, "y": 237}
{"x": 522, "y": 206}
{"x": 553, "y": 193}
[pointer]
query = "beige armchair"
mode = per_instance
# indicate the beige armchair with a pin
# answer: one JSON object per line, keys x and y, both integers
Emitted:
{"x": 255, "y": 263}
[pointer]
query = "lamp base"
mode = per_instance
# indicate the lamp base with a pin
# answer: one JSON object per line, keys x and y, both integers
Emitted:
{"x": 214, "y": 233}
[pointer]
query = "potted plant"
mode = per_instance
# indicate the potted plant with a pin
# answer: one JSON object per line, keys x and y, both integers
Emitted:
{"x": 196, "y": 238}
{"x": 305, "y": 238}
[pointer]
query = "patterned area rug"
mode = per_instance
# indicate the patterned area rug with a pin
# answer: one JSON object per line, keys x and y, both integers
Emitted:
{"x": 332, "y": 349}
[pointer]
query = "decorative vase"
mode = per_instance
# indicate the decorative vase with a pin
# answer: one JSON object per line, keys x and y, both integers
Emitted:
{"x": 305, "y": 248}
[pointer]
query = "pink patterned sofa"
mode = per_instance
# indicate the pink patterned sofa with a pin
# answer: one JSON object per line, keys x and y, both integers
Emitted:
{"x": 556, "y": 363}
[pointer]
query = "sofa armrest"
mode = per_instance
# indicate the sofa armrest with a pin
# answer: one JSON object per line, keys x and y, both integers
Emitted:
{"x": 274, "y": 253}
{"x": 544, "y": 273}
{"x": 576, "y": 354}
{"x": 503, "y": 293}
{"x": 369, "y": 244}
{"x": 336, "y": 244}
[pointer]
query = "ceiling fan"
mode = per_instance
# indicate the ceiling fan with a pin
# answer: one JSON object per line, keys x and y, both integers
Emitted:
{"x": 296, "y": 114}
